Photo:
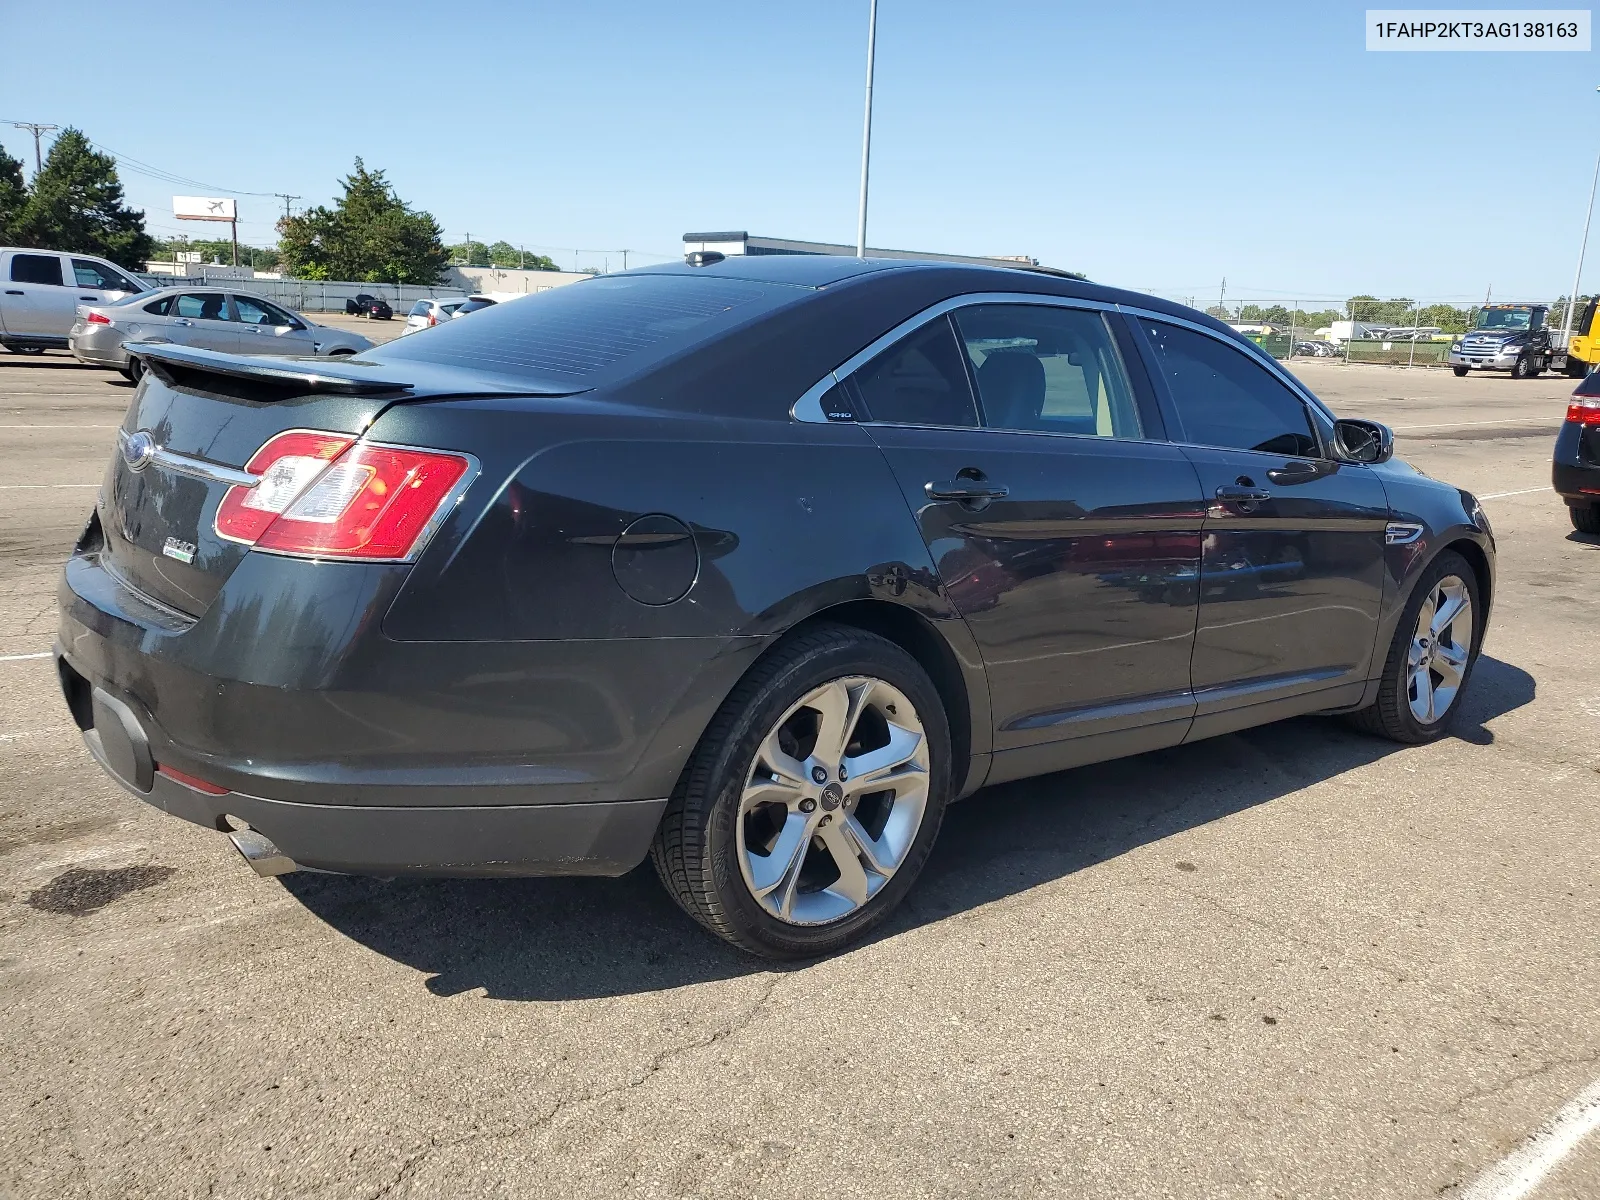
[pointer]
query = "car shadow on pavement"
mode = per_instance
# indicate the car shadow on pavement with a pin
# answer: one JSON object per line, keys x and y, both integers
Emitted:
{"x": 563, "y": 939}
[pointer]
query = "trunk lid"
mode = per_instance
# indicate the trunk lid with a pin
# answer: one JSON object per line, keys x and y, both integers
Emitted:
{"x": 195, "y": 422}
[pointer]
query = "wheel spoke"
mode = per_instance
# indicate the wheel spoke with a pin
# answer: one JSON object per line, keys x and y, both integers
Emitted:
{"x": 1445, "y": 614}
{"x": 771, "y": 789}
{"x": 1451, "y": 663}
{"x": 1422, "y": 706}
{"x": 782, "y": 867}
{"x": 1425, "y": 616}
{"x": 836, "y": 707}
{"x": 878, "y": 859}
{"x": 782, "y": 767}
{"x": 876, "y": 769}
{"x": 852, "y": 882}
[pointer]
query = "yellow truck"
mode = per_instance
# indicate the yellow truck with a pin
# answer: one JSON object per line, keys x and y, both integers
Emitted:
{"x": 1583, "y": 350}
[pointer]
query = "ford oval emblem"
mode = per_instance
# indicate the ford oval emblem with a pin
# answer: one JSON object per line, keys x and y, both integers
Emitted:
{"x": 139, "y": 451}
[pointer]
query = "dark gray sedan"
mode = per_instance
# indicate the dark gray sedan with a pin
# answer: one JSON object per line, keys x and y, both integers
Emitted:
{"x": 206, "y": 318}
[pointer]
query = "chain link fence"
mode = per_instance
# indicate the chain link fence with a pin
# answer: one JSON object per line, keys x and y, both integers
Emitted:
{"x": 1401, "y": 331}
{"x": 311, "y": 295}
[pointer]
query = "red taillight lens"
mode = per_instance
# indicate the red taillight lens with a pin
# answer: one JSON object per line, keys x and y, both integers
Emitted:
{"x": 95, "y": 318}
{"x": 1585, "y": 410}
{"x": 433, "y": 320}
{"x": 327, "y": 495}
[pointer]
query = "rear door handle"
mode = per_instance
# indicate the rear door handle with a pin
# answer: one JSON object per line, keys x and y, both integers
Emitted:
{"x": 183, "y": 321}
{"x": 966, "y": 490}
{"x": 95, "y": 299}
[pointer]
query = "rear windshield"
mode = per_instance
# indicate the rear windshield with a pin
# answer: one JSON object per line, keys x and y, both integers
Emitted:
{"x": 578, "y": 330}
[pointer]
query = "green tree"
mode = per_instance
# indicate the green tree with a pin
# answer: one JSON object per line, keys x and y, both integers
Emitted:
{"x": 1371, "y": 311}
{"x": 370, "y": 235}
{"x": 75, "y": 204}
{"x": 13, "y": 195}
{"x": 469, "y": 254}
{"x": 1447, "y": 317}
{"x": 1250, "y": 312}
{"x": 504, "y": 254}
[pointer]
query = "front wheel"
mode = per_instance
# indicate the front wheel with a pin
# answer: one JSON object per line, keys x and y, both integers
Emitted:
{"x": 1523, "y": 368}
{"x": 1460, "y": 371}
{"x": 1585, "y": 517}
{"x": 1431, "y": 656}
{"x": 812, "y": 800}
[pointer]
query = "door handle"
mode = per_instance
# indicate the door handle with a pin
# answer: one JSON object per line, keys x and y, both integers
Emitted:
{"x": 184, "y": 321}
{"x": 96, "y": 299}
{"x": 1234, "y": 491}
{"x": 967, "y": 490}
{"x": 1294, "y": 472}
{"x": 13, "y": 292}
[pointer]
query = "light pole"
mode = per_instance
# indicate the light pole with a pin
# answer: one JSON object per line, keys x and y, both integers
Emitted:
{"x": 866, "y": 132}
{"x": 1572, "y": 300}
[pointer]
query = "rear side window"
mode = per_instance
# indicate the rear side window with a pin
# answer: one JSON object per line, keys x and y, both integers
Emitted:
{"x": 161, "y": 307}
{"x": 202, "y": 306}
{"x": 1224, "y": 399}
{"x": 576, "y": 331}
{"x": 1046, "y": 369}
{"x": 36, "y": 268}
{"x": 920, "y": 380}
{"x": 472, "y": 306}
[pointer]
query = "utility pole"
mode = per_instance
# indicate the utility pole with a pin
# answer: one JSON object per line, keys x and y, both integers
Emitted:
{"x": 1222, "y": 295}
{"x": 38, "y": 131}
{"x": 866, "y": 131}
{"x": 625, "y": 260}
{"x": 285, "y": 197}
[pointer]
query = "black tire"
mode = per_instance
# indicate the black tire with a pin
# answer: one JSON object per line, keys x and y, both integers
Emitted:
{"x": 1585, "y": 518}
{"x": 1460, "y": 371}
{"x": 135, "y": 371}
{"x": 1523, "y": 368}
{"x": 1576, "y": 368}
{"x": 27, "y": 349}
{"x": 696, "y": 850}
{"x": 1390, "y": 715}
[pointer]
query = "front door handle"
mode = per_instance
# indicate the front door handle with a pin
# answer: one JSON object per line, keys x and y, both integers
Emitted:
{"x": 14, "y": 292}
{"x": 96, "y": 299}
{"x": 1234, "y": 492}
{"x": 966, "y": 490}
{"x": 184, "y": 321}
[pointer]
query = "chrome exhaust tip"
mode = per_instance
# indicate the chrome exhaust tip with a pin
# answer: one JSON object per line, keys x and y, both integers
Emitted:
{"x": 264, "y": 857}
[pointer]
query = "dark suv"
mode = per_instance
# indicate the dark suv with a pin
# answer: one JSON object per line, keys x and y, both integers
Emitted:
{"x": 749, "y": 567}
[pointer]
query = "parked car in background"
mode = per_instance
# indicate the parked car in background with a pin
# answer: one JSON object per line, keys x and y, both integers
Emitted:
{"x": 40, "y": 291}
{"x": 364, "y": 305}
{"x": 110, "y": 335}
{"x": 474, "y": 304}
{"x": 451, "y": 609}
{"x": 425, "y": 314}
{"x": 1576, "y": 470}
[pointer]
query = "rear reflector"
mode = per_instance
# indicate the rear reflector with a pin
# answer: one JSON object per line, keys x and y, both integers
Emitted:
{"x": 1585, "y": 410}
{"x": 326, "y": 495}
{"x": 189, "y": 781}
{"x": 95, "y": 318}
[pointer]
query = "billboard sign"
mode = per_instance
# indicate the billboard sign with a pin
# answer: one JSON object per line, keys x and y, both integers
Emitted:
{"x": 204, "y": 208}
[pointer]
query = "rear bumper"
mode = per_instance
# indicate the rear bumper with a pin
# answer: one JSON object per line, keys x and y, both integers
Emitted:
{"x": 1575, "y": 471}
{"x": 385, "y": 757}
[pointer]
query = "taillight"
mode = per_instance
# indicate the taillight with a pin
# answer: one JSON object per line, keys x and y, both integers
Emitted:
{"x": 328, "y": 495}
{"x": 432, "y": 320}
{"x": 1585, "y": 410}
{"x": 95, "y": 318}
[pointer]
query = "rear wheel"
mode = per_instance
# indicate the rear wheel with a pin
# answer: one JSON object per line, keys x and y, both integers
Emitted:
{"x": 1431, "y": 656}
{"x": 134, "y": 370}
{"x": 813, "y": 800}
{"x": 1576, "y": 367}
{"x": 1460, "y": 371}
{"x": 1585, "y": 518}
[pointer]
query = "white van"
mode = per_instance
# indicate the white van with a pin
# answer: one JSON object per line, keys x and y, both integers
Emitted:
{"x": 40, "y": 291}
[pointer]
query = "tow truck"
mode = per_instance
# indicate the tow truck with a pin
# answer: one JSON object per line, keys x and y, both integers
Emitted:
{"x": 1513, "y": 338}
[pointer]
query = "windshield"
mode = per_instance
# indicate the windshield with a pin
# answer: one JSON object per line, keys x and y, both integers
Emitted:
{"x": 1504, "y": 318}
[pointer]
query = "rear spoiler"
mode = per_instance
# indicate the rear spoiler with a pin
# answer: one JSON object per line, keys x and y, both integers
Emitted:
{"x": 299, "y": 376}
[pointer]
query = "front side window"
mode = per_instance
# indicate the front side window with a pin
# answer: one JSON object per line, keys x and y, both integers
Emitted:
{"x": 1046, "y": 369}
{"x": 36, "y": 268}
{"x": 920, "y": 380}
{"x": 1223, "y": 398}
{"x": 255, "y": 311}
{"x": 202, "y": 306}
{"x": 97, "y": 275}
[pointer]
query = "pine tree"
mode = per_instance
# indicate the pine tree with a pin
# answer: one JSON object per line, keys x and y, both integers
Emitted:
{"x": 13, "y": 195}
{"x": 75, "y": 204}
{"x": 370, "y": 234}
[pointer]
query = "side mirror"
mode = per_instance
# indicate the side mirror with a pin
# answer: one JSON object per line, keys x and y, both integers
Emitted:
{"x": 1361, "y": 441}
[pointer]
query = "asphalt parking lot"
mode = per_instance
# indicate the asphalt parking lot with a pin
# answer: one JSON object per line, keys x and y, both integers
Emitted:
{"x": 1290, "y": 962}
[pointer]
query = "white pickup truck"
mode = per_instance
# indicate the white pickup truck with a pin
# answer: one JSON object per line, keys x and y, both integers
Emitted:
{"x": 40, "y": 291}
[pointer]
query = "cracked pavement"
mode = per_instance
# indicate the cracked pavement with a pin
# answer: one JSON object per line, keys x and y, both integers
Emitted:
{"x": 1290, "y": 962}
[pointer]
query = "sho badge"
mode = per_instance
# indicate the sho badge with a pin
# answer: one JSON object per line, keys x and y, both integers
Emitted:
{"x": 182, "y": 551}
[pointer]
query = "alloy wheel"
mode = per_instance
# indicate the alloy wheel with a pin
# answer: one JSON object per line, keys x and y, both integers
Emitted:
{"x": 833, "y": 801}
{"x": 1441, "y": 648}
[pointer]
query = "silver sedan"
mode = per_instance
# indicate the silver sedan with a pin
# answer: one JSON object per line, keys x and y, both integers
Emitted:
{"x": 233, "y": 322}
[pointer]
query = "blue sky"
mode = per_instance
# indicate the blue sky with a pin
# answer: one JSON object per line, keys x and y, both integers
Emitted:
{"x": 1155, "y": 146}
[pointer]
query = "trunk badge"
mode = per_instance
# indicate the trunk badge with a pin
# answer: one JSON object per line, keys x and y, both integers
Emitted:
{"x": 182, "y": 551}
{"x": 138, "y": 450}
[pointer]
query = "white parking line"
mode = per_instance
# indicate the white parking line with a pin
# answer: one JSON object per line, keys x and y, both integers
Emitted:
{"x": 16, "y": 487}
{"x": 1522, "y": 492}
{"x": 23, "y": 657}
{"x": 1519, "y": 1172}
{"x": 58, "y": 427}
{"x": 1470, "y": 424}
